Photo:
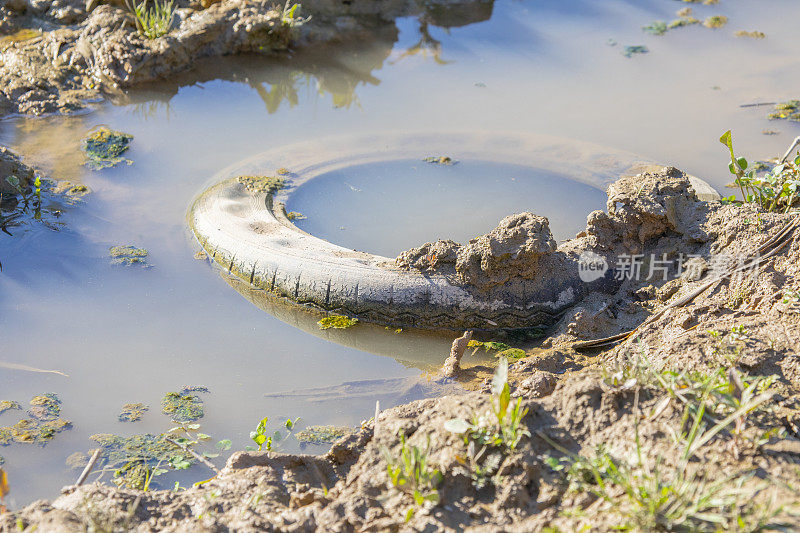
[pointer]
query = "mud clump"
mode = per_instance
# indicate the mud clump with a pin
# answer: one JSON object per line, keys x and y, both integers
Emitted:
{"x": 512, "y": 250}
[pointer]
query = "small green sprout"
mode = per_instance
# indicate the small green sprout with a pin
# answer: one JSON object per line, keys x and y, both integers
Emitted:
{"x": 259, "y": 436}
{"x": 154, "y": 22}
{"x": 411, "y": 473}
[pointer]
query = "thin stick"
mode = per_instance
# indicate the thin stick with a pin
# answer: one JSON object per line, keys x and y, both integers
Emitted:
{"x": 789, "y": 151}
{"x": 17, "y": 366}
{"x": 89, "y": 467}
{"x": 758, "y": 104}
{"x": 194, "y": 454}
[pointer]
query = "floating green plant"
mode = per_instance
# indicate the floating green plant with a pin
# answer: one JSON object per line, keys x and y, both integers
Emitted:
{"x": 681, "y": 22}
{"x": 137, "y": 459}
{"x": 104, "y": 148}
{"x": 789, "y": 110}
{"x": 132, "y": 412}
{"x": 512, "y": 354}
{"x": 489, "y": 346}
{"x": 262, "y": 184}
{"x": 182, "y": 407}
{"x": 440, "y": 160}
{"x": 73, "y": 191}
{"x": 715, "y": 21}
{"x": 337, "y": 322}
{"x": 750, "y": 34}
{"x": 321, "y": 434}
{"x": 630, "y": 51}
{"x": 44, "y": 423}
{"x": 7, "y": 405}
{"x": 294, "y": 215}
{"x": 128, "y": 255}
{"x": 657, "y": 27}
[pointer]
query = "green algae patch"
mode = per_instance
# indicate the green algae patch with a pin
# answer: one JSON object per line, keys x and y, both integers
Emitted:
{"x": 789, "y": 110}
{"x": 682, "y": 22}
{"x": 43, "y": 424}
{"x": 194, "y": 388}
{"x": 45, "y": 408}
{"x": 132, "y": 412}
{"x": 337, "y": 322}
{"x": 322, "y": 434}
{"x": 715, "y": 21}
{"x": 262, "y": 184}
{"x": 7, "y": 405}
{"x": 128, "y": 255}
{"x": 630, "y": 51}
{"x": 182, "y": 408}
{"x": 440, "y": 160}
{"x": 750, "y": 34}
{"x": 104, "y": 148}
{"x": 657, "y": 27}
{"x": 294, "y": 215}
{"x": 73, "y": 191}
{"x": 512, "y": 354}
{"x": 137, "y": 458}
{"x": 489, "y": 346}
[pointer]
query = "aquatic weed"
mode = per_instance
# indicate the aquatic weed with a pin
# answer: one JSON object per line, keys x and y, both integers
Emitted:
{"x": 182, "y": 407}
{"x": 512, "y": 354}
{"x": 337, "y": 322}
{"x": 262, "y": 184}
{"x": 294, "y": 215}
{"x": 657, "y": 27}
{"x": 440, "y": 160}
{"x": 128, "y": 255}
{"x": 788, "y": 110}
{"x": 43, "y": 424}
{"x": 715, "y": 21}
{"x": 321, "y": 434}
{"x": 104, "y": 147}
{"x": 132, "y": 412}
{"x": 630, "y": 51}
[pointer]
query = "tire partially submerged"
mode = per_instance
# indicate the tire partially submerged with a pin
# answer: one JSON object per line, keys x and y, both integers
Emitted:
{"x": 241, "y": 223}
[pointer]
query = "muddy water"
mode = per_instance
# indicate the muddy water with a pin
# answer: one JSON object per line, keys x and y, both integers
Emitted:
{"x": 544, "y": 67}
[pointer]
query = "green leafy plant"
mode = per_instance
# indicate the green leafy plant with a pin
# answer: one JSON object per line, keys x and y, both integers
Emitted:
{"x": 259, "y": 436}
{"x": 774, "y": 191}
{"x": 500, "y": 426}
{"x": 412, "y": 473}
{"x": 154, "y": 22}
{"x": 289, "y": 15}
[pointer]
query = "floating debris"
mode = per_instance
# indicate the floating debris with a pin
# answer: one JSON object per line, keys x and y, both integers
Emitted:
{"x": 7, "y": 405}
{"x": 789, "y": 110}
{"x": 512, "y": 354}
{"x": 294, "y": 215}
{"x": 283, "y": 171}
{"x": 611, "y": 42}
{"x": 200, "y": 255}
{"x": 128, "y": 255}
{"x": 750, "y": 34}
{"x": 770, "y": 132}
{"x": 715, "y": 21}
{"x": 104, "y": 148}
{"x": 630, "y": 51}
{"x": 440, "y": 160}
{"x": 337, "y": 322}
{"x": 657, "y": 27}
{"x": 182, "y": 408}
{"x": 262, "y": 184}
{"x": 132, "y": 412}
{"x": 322, "y": 434}
{"x": 43, "y": 424}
